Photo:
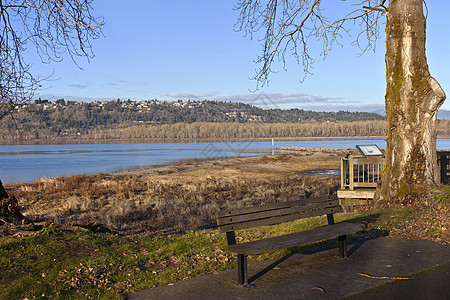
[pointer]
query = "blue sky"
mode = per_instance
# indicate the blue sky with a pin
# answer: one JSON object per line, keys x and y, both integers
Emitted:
{"x": 176, "y": 49}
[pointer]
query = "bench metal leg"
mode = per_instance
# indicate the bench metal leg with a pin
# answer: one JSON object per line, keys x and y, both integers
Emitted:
{"x": 342, "y": 239}
{"x": 242, "y": 269}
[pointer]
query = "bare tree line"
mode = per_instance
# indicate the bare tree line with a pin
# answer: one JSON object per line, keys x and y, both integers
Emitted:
{"x": 219, "y": 131}
{"x": 251, "y": 130}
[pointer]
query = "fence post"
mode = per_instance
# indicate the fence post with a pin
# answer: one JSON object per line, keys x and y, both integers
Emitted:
{"x": 351, "y": 172}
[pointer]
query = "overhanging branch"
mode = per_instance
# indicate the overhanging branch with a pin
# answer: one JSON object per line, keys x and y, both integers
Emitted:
{"x": 383, "y": 10}
{"x": 290, "y": 27}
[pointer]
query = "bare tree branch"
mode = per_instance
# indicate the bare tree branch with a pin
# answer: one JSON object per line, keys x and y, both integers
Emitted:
{"x": 290, "y": 25}
{"x": 53, "y": 28}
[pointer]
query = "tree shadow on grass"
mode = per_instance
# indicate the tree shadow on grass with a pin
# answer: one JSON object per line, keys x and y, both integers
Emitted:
{"x": 369, "y": 218}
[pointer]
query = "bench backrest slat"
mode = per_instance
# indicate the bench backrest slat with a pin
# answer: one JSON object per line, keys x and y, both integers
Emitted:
{"x": 251, "y": 209}
{"x": 276, "y": 220}
{"x": 248, "y": 217}
{"x": 294, "y": 209}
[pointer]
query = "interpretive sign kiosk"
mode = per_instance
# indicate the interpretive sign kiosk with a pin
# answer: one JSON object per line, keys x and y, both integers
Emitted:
{"x": 369, "y": 150}
{"x": 360, "y": 175}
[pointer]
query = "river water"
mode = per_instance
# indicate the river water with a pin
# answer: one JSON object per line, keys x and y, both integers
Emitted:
{"x": 20, "y": 163}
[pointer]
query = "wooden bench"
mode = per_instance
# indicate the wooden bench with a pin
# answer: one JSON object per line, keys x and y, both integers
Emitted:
{"x": 230, "y": 220}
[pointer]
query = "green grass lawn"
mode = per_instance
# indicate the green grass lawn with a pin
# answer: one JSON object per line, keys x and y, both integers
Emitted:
{"x": 81, "y": 264}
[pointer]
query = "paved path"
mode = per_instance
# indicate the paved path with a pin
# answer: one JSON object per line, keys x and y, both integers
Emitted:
{"x": 373, "y": 273}
{"x": 433, "y": 283}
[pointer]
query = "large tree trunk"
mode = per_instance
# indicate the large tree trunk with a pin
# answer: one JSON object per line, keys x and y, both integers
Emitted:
{"x": 413, "y": 98}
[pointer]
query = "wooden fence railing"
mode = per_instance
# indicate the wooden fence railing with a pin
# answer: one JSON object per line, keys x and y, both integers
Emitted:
{"x": 444, "y": 159}
{"x": 360, "y": 172}
{"x": 365, "y": 172}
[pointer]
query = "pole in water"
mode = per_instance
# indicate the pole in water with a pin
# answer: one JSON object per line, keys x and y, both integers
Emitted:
{"x": 273, "y": 147}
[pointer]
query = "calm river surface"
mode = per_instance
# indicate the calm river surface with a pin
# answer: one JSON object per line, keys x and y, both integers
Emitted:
{"x": 31, "y": 162}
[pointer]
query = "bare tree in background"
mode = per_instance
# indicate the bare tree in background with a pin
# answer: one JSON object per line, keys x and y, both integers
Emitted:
{"x": 52, "y": 28}
{"x": 412, "y": 98}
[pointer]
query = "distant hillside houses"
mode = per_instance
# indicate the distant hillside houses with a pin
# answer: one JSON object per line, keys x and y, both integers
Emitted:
{"x": 61, "y": 115}
{"x": 145, "y": 105}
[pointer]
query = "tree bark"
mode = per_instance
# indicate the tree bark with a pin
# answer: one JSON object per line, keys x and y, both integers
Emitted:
{"x": 412, "y": 98}
{"x": 9, "y": 209}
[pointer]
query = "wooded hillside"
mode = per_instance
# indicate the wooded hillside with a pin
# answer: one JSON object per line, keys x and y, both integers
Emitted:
{"x": 130, "y": 120}
{"x": 61, "y": 114}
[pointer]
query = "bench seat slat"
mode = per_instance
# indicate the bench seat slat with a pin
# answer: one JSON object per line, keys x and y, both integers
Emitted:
{"x": 251, "y": 209}
{"x": 294, "y": 209}
{"x": 295, "y": 239}
{"x": 277, "y": 220}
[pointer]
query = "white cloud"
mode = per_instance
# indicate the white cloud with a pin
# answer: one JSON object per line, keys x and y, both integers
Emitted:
{"x": 52, "y": 97}
{"x": 279, "y": 99}
{"x": 190, "y": 96}
{"x": 283, "y": 101}
{"x": 79, "y": 86}
{"x": 257, "y": 99}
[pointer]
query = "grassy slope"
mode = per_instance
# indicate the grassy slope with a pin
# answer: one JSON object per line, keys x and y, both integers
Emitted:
{"x": 80, "y": 264}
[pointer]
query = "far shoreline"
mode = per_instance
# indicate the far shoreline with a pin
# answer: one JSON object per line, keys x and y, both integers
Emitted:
{"x": 163, "y": 141}
{"x": 168, "y": 141}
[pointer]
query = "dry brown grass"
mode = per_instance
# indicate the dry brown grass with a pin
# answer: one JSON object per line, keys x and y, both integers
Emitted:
{"x": 143, "y": 202}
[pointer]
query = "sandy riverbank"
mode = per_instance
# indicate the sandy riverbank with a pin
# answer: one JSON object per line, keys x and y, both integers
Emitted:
{"x": 315, "y": 159}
